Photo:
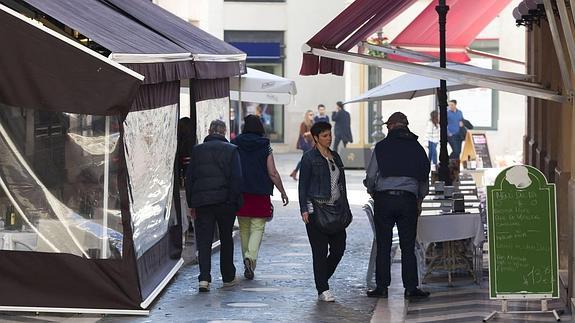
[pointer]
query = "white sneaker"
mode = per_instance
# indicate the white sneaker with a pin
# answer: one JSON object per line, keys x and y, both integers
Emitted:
{"x": 204, "y": 286}
{"x": 326, "y": 296}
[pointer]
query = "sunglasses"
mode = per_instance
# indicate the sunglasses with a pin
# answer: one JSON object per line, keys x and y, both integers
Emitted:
{"x": 332, "y": 163}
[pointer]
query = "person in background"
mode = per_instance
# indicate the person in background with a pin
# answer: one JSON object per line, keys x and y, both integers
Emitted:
{"x": 213, "y": 193}
{"x": 433, "y": 136}
{"x": 304, "y": 140}
{"x": 342, "y": 127}
{"x": 398, "y": 179}
{"x": 321, "y": 117}
{"x": 322, "y": 180}
{"x": 454, "y": 122}
{"x": 259, "y": 175}
{"x": 185, "y": 145}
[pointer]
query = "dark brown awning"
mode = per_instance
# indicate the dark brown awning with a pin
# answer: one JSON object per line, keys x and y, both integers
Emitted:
{"x": 43, "y": 70}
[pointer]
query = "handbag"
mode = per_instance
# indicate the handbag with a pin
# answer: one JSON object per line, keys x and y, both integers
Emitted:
{"x": 331, "y": 219}
{"x": 303, "y": 144}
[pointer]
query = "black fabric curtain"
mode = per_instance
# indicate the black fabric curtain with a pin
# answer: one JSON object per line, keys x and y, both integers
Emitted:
{"x": 153, "y": 96}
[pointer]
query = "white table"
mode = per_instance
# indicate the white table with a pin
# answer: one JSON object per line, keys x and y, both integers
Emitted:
{"x": 17, "y": 240}
{"x": 447, "y": 228}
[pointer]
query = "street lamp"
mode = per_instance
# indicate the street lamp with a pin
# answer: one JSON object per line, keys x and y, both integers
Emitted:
{"x": 444, "y": 175}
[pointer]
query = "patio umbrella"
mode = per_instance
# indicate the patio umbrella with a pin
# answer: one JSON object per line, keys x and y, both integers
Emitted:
{"x": 261, "y": 87}
{"x": 411, "y": 86}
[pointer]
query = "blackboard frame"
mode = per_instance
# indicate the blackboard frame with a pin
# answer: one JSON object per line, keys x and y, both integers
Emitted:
{"x": 537, "y": 178}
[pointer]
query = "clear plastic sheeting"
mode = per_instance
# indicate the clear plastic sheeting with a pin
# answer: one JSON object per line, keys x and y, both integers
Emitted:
{"x": 208, "y": 111}
{"x": 150, "y": 139}
{"x": 58, "y": 192}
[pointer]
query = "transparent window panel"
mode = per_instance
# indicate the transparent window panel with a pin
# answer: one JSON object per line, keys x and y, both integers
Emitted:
{"x": 58, "y": 177}
{"x": 150, "y": 142}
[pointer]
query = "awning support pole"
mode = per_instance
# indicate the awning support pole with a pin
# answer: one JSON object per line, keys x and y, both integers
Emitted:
{"x": 443, "y": 171}
{"x": 557, "y": 44}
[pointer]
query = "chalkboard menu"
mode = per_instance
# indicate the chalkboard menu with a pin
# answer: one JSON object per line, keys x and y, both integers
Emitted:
{"x": 481, "y": 149}
{"x": 522, "y": 227}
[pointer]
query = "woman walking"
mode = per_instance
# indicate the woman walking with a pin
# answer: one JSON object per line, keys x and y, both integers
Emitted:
{"x": 433, "y": 136}
{"x": 323, "y": 195}
{"x": 259, "y": 177}
{"x": 304, "y": 141}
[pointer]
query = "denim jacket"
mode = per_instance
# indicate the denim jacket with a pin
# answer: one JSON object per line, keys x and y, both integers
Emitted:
{"x": 315, "y": 178}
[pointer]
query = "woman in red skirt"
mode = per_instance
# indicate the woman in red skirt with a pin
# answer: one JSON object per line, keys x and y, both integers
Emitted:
{"x": 259, "y": 175}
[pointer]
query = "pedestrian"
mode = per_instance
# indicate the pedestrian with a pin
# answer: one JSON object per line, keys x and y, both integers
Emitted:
{"x": 321, "y": 116}
{"x": 321, "y": 186}
{"x": 259, "y": 176}
{"x": 454, "y": 122}
{"x": 398, "y": 180}
{"x": 304, "y": 140}
{"x": 433, "y": 136}
{"x": 185, "y": 145}
{"x": 342, "y": 127}
{"x": 213, "y": 182}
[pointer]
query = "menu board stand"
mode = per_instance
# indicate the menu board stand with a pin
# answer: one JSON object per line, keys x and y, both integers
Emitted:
{"x": 523, "y": 251}
{"x": 475, "y": 145}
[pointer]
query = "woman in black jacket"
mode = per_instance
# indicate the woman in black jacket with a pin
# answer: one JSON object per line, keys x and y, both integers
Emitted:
{"x": 322, "y": 182}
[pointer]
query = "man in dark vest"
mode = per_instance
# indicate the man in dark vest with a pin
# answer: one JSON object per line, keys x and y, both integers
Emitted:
{"x": 213, "y": 181}
{"x": 397, "y": 179}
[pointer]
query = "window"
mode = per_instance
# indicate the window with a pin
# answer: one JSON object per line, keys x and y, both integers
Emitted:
{"x": 480, "y": 105}
{"x": 265, "y": 53}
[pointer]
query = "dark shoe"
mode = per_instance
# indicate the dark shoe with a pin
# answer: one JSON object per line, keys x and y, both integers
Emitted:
{"x": 378, "y": 292}
{"x": 249, "y": 269}
{"x": 415, "y": 294}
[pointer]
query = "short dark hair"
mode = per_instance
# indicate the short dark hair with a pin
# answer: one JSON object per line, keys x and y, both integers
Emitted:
{"x": 253, "y": 124}
{"x": 339, "y": 104}
{"x": 320, "y": 106}
{"x": 320, "y": 127}
{"x": 453, "y": 101}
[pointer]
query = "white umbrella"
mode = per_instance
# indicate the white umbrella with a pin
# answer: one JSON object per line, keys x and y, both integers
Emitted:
{"x": 411, "y": 86}
{"x": 261, "y": 87}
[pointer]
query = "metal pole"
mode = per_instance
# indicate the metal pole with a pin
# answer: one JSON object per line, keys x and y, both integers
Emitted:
{"x": 442, "y": 10}
{"x": 104, "y": 253}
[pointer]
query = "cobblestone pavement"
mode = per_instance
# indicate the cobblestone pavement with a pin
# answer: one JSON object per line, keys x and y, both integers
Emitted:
{"x": 283, "y": 289}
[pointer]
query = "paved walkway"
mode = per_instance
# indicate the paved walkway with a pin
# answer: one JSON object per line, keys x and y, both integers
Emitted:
{"x": 283, "y": 289}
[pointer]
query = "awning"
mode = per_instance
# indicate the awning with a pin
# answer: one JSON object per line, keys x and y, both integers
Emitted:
{"x": 44, "y": 70}
{"x": 465, "y": 20}
{"x": 358, "y": 21}
{"x": 262, "y": 87}
{"x": 471, "y": 78}
{"x": 213, "y": 58}
{"x": 139, "y": 32}
{"x": 410, "y": 86}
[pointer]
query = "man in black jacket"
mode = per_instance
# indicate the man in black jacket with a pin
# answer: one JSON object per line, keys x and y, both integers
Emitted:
{"x": 342, "y": 127}
{"x": 397, "y": 179}
{"x": 213, "y": 181}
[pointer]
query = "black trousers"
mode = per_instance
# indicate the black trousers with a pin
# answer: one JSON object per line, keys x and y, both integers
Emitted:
{"x": 336, "y": 142}
{"x": 390, "y": 210}
{"x": 324, "y": 265}
{"x": 206, "y": 219}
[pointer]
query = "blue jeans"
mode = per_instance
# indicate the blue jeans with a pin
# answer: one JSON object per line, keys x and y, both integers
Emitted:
{"x": 455, "y": 144}
{"x": 432, "y": 152}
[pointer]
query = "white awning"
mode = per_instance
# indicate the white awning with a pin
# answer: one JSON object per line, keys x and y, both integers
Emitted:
{"x": 262, "y": 87}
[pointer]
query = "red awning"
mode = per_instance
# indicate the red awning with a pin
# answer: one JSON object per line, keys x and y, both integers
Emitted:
{"x": 465, "y": 20}
{"x": 357, "y": 22}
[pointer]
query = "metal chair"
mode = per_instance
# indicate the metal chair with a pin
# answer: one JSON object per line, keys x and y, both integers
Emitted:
{"x": 370, "y": 277}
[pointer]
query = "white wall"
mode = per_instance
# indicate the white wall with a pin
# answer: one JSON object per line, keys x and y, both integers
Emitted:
{"x": 300, "y": 20}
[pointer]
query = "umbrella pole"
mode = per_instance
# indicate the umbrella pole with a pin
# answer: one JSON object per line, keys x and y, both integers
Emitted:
{"x": 442, "y": 10}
